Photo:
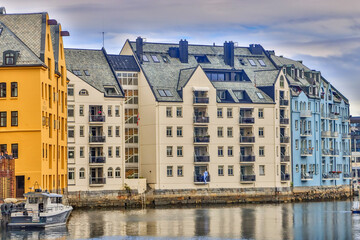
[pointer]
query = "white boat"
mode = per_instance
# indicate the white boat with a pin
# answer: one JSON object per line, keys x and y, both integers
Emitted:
{"x": 42, "y": 209}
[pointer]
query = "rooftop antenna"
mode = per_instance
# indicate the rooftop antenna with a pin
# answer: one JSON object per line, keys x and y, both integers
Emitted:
{"x": 103, "y": 38}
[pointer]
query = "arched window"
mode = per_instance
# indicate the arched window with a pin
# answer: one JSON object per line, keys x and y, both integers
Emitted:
{"x": 82, "y": 173}
{"x": 117, "y": 172}
{"x": 110, "y": 172}
{"x": 281, "y": 81}
{"x": 83, "y": 92}
{"x": 10, "y": 57}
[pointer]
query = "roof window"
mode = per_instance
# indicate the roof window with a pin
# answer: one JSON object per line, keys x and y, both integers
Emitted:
{"x": 165, "y": 93}
{"x": 86, "y": 73}
{"x": 239, "y": 94}
{"x": 165, "y": 59}
{"x": 10, "y": 57}
{"x": 202, "y": 59}
{"x": 252, "y": 62}
{"x": 77, "y": 72}
{"x": 262, "y": 63}
{"x": 242, "y": 62}
{"x": 145, "y": 58}
{"x": 155, "y": 59}
{"x": 111, "y": 91}
{"x": 260, "y": 95}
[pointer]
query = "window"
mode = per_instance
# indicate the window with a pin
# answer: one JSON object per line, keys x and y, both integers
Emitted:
{"x": 296, "y": 106}
{"x": 111, "y": 91}
{"x": 297, "y": 144}
{"x": 3, "y": 119}
{"x": 82, "y": 173}
{"x": 179, "y": 131}
{"x": 261, "y": 132}
{"x": 117, "y": 152}
{"x": 239, "y": 94}
{"x": 110, "y": 111}
{"x": 83, "y": 92}
{"x": 169, "y": 131}
{"x": 14, "y": 89}
{"x": 230, "y": 170}
{"x": 77, "y": 72}
{"x": 109, "y": 131}
{"x": 259, "y": 95}
{"x": 179, "y": 151}
{"x": 71, "y": 152}
{"x": 117, "y": 131}
{"x": 14, "y": 150}
{"x": 229, "y": 113}
{"x": 242, "y": 62}
{"x": 221, "y": 170}
{"x": 81, "y": 110}
{"x": 71, "y": 174}
{"x": 180, "y": 171}
{"x": 82, "y": 154}
{"x": 281, "y": 81}
{"x": 261, "y": 151}
{"x": 70, "y": 90}
{"x": 220, "y": 151}
{"x": 81, "y": 131}
{"x": 165, "y": 59}
{"x": 71, "y": 131}
{"x": 219, "y": 113}
{"x": 179, "y": 112}
{"x": 168, "y": 112}
{"x": 70, "y": 110}
{"x": 86, "y": 72}
{"x": 230, "y": 151}
{"x": 145, "y": 58}
{"x": 252, "y": 62}
{"x": 220, "y": 131}
{"x": 165, "y": 93}
{"x": 262, "y": 63}
{"x": 155, "y": 58}
{"x": 161, "y": 93}
{"x": 169, "y": 151}
{"x": 221, "y": 94}
{"x": 110, "y": 152}
{"x": 117, "y": 111}
{"x": 169, "y": 171}
{"x": 9, "y": 57}
{"x": 117, "y": 172}
{"x": 262, "y": 170}
{"x": 230, "y": 132}
{"x": 201, "y": 59}
{"x": 3, "y": 148}
{"x": 14, "y": 118}
{"x": 110, "y": 172}
{"x": 2, "y": 90}
{"x": 296, "y": 125}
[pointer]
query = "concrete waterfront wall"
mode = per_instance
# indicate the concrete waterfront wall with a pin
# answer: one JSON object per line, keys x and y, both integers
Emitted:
{"x": 132, "y": 198}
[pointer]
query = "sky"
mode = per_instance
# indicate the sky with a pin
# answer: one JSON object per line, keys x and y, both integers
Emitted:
{"x": 325, "y": 34}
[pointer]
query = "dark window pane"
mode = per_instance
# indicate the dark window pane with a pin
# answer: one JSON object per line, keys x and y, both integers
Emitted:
{"x": 2, "y": 89}
{"x": 14, "y": 118}
{"x": 3, "y": 119}
{"x": 14, "y": 150}
{"x": 14, "y": 89}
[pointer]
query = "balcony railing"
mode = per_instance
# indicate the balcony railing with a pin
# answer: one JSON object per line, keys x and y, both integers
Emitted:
{"x": 285, "y": 158}
{"x": 305, "y": 133}
{"x": 346, "y": 135}
{"x": 334, "y": 152}
{"x": 334, "y": 134}
{"x": 98, "y": 180}
{"x": 97, "y": 139}
{"x": 204, "y": 100}
{"x": 284, "y": 121}
{"x": 306, "y": 152}
{"x": 247, "y": 158}
{"x": 284, "y": 139}
{"x": 325, "y": 134}
{"x": 285, "y": 177}
{"x": 96, "y": 118}
{"x": 334, "y": 116}
{"x": 326, "y": 152}
{"x": 284, "y": 102}
{"x": 306, "y": 176}
{"x": 346, "y": 153}
{"x": 346, "y": 175}
{"x": 247, "y": 178}
{"x": 246, "y": 120}
{"x": 201, "y": 119}
{"x": 247, "y": 139}
{"x": 201, "y": 139}
{"x": 199, "y": 178}
{"x": 305, "y": 113}
{"x": 201, "y": 158}
{"x": 97, "y": 159}
{"x": 331, "y": 175}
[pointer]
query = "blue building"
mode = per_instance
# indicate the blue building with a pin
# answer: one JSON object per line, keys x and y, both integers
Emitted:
{"x": 319, "y": 128}
{"x": 355, "y": 145}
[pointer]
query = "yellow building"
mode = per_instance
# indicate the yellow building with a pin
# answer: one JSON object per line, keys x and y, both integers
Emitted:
{"x": 33, "y": 93}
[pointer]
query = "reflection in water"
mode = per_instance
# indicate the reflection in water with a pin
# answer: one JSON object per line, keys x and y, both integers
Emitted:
{"x": 319, "y": 220}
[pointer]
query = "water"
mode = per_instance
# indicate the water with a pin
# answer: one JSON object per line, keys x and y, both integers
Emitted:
{"x": 317, "y": 220}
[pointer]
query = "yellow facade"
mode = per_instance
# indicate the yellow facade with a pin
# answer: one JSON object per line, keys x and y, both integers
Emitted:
{"x": 41, "y": 130}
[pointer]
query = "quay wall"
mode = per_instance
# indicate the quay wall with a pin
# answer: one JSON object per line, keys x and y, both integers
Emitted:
{"x": 132, "y": 199}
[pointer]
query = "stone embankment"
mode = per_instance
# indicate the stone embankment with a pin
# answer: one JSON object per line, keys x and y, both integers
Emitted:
{"x": 131, "y": 199}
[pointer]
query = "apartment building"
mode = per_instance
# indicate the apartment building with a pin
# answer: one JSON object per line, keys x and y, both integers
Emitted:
{"x": 211, "y": 116}
{"x": 95, "y": 123}
{"x": 355, "y": 145}
{"x": 32, "y": 98}
{"x": 320, "y": 127}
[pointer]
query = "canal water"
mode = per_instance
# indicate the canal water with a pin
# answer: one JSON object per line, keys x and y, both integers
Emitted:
{"x": 316, "y": 220}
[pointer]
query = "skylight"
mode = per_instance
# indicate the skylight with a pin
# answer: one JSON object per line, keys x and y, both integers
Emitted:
{"x": 262, "y": 63}
{"x": 252, "y": 62}
{"x": 239, "y": 94}
{"x": 202, "y": 59}
{"x": 161, "y": 93}
{"x": 145, "y": 58}
{"x": 168, "y": 93}
{"x": 165, "y": 59}
{"x": 77, "y": 72}
{"x": 260, "y": 95}
{"x": 165, "y": 93}
{"x": 86, "y": 73}
{"x": 155, "y": 59}
{"x": 110, "y": 90}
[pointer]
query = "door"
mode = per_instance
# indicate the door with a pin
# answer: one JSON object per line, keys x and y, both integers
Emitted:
{"x": 20, "y": 186}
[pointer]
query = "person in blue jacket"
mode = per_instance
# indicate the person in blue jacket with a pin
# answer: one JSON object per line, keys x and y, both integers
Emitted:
{"x": 206, "y": 174}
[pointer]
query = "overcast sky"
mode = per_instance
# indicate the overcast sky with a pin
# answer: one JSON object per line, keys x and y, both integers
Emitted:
{"x": 325, "y": 34}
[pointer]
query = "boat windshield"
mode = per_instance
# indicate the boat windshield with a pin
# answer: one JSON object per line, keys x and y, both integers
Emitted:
{"x": 56, "y": 200}
{"x": 35, "y": 200}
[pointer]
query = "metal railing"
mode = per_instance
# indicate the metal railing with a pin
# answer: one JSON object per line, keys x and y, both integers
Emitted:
{"x": 97, "y": 159}
{"x": 247, "y": 139}
{"x": 201, "y": 119}
{"x": 202, "y": 139}
{"x": 96, "y": 118}
{"x": 284, "y": 102}
{"x": 285, "y": 177}
{"x": 284, "y": 139}
{"x": 201, "y": 100}
{"x": 198, "y": 178}
{"x": 305, "y": 113}
{"x": 97, "y": 180}
{"x": 247, "y": 158}
{"x": 97, "y": 139}
{"x": 285, "y": 158}
{"x": 306, "y": 176}
{"x": 246, "y": 120}
{"x": 201, "y": 158}
{"x": 247, "y": 178}
{"x": 284, "y": 121}
{"x": 306, "y": 152}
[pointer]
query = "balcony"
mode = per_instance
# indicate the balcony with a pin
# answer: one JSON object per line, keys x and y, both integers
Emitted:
{"x": 202, "y": 139}
{"x": 247, "y": 158}
{"x": 285, "y": 177}
{"x": 97, "y": 181}
{"x": 96, "y": 118}
{"x": 305, "y": 113}
{"x": 247, "y": 139}
{"x": 97, "y": 159}
{"x": 332, "y": 175}
{"x": 347, "y": 176}
{"x": 201, "y": 119}
{"x": 247, "y": 178}
{"x": 284, "y": 102}
{"x": 246, "y": 120}
{"x": 199, "y": 179}
{"x": 306, "y": 176}
{"x": 284, "y": 120}
{"x": 325, "y": 134}
{"x": 97, "y": 139}
{"x": 305, "y": 133}
{"x": 334, "y": 116}
{"x": 201, "y": 158}
{"x": 306, "y": 152}
{"x": 284, "y": 139}
{"x": 201, "y": 100}
{"x": 346, "y": 135}
{"x": 285, "y": 158}
{"x": 334, "y": 134}
{"x": 334, "y": 152}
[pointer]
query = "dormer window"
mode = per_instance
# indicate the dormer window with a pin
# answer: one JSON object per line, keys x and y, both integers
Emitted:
{"x": 111, "y": 91}
{"x": 239, "y": 94}
{"x": 10, "y": 57}
{"x": 221, "y": 94}
{"x": 83, "y": 92}
{"x": 202, "y": 59}
{"x": 86, "y": 73}
{"x": 77, "y": 72}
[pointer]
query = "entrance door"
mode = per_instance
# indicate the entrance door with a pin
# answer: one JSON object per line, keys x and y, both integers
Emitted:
{"x": 20, "y": 186}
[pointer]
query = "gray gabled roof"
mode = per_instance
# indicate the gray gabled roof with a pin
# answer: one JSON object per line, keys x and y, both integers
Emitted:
{"x": 266, "y": 78}
{"x": 123, "y": 63}
{"x": 282, "y": 61}
{"x": 95, "y": 62}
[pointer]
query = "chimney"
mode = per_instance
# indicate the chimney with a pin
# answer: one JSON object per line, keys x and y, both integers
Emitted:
{"x": 183, "y": 51}
{"x": 139, "y": 49}
{"x": 256, "y": 49}
{"x": 229, "y": 53}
